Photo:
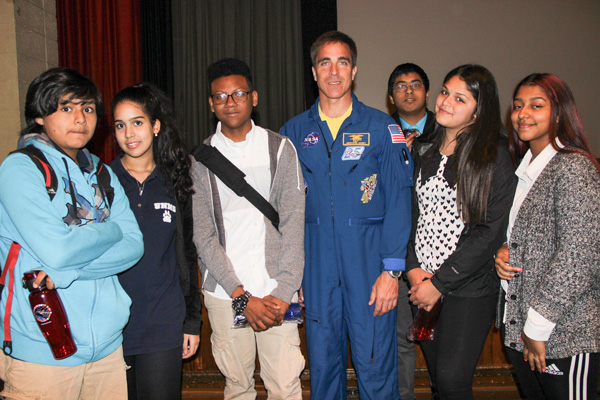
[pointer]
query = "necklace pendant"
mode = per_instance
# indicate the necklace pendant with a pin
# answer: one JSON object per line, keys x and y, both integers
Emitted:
{"x": 141, "y": 187}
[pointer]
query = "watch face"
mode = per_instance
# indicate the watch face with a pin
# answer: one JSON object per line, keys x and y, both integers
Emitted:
{"x": 236, "y": 304}
{"x": 239, "y": 304}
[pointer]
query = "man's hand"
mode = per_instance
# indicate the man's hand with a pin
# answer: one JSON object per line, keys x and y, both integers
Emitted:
{"x": 424, "y": 294}
{"x": 40, "y": 277}
{"x": 281, "y": 309}
{"x": 417, "y": 275}
{"x": 190, "y": 345}
{"x": 259, "y": 315}
{"x": 534, "y": 353}
{"x": 503, "y": 269}
{"x": 384, "y": 294}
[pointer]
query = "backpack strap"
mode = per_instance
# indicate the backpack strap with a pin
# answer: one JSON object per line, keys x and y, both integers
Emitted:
{"x": 41, "y": 162}
{"x": 231, "y": 176}
{"x": 50, "y": 180}
{"x": 9, "y": 267}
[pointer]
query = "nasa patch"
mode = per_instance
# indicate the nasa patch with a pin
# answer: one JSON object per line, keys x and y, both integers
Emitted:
{"x": 310, "y": 140}
{"x": 353, "y": 153}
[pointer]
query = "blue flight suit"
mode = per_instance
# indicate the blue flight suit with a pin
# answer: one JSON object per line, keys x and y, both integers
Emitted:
{"x": 358, "y": 220}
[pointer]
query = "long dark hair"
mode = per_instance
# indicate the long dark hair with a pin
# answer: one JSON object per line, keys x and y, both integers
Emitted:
{"x": 569, "y": 129}
{"x": 168, "y": 148}
{"x": 477, "y": 144}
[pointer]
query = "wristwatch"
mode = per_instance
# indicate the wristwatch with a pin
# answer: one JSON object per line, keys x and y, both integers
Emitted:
{"x": 239, "y": 303}
{"x": 395, "y": 274}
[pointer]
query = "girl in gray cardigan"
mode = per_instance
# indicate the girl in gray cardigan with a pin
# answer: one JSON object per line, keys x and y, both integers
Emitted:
{"x": 551, "y": 264}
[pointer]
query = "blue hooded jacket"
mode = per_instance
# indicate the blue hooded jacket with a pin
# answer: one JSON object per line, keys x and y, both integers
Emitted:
{"x": 80, "y": 251}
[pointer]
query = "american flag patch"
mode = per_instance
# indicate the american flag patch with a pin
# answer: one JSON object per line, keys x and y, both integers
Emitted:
{"x": 397, "y": 135}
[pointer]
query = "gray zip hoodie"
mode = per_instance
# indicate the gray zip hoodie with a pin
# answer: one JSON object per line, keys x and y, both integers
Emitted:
{"x": 284, "y": 249}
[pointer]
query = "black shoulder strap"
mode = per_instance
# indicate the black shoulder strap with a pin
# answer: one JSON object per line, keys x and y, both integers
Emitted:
{"x": 41, "y": 162}
{"x": 231, "y": 176}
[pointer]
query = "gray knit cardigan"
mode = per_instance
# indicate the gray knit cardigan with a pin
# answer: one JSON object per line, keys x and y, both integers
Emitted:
{"x": 284, "y": 249}
{"x": 556, "y": 240}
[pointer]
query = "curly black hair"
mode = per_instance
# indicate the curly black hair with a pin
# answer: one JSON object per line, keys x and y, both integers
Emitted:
{"x": 227, "y": 67}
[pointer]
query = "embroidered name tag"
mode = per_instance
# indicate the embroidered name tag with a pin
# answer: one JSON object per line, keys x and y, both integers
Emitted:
{"x": 357, "y": 139}
{"x": 353, "y": 153}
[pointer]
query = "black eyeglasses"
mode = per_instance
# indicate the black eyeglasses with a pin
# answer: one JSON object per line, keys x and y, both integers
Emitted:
{"x": 239, "y": 97}
{"x": 413, "y": 85}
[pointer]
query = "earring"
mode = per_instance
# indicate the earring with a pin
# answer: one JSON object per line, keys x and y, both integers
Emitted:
{"x": 155, "y": 134}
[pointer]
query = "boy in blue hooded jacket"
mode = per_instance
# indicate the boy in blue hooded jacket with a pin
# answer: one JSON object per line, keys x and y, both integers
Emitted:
{"x": 77, "y": 238}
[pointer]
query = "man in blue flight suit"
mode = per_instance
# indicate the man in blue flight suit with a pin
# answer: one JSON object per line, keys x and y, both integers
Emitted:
{"x": 358, "y": 173}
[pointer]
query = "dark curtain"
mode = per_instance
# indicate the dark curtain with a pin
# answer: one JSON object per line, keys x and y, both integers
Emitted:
{"x": 157, "y": 44}
{"x": 318, "y": 17}
{"x": 264, "y": 33}
{"x": 101, "y": 39}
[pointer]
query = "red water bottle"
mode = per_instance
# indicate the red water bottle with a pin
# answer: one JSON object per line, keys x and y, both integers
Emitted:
{"x": 423, "y": 325}
{"x": 51, "y": 317}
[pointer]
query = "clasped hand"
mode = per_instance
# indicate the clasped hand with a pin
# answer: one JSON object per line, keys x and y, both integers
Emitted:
{"x": 422, "y": 292}
{"x": 264, "y": 313}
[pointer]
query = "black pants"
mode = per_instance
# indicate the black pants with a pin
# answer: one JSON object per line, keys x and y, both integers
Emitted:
{"x": 573, "y": 378}
{"x": 407, "y": 352}
{"x": 154, "y": 376}
{"x": 459, "y": 336}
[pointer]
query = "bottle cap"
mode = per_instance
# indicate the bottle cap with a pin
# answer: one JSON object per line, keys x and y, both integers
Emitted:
{"x": 29, "y": 278}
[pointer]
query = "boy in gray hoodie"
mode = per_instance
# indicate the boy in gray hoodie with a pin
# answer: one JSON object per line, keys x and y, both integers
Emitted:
{"x": 246, "y": 262}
